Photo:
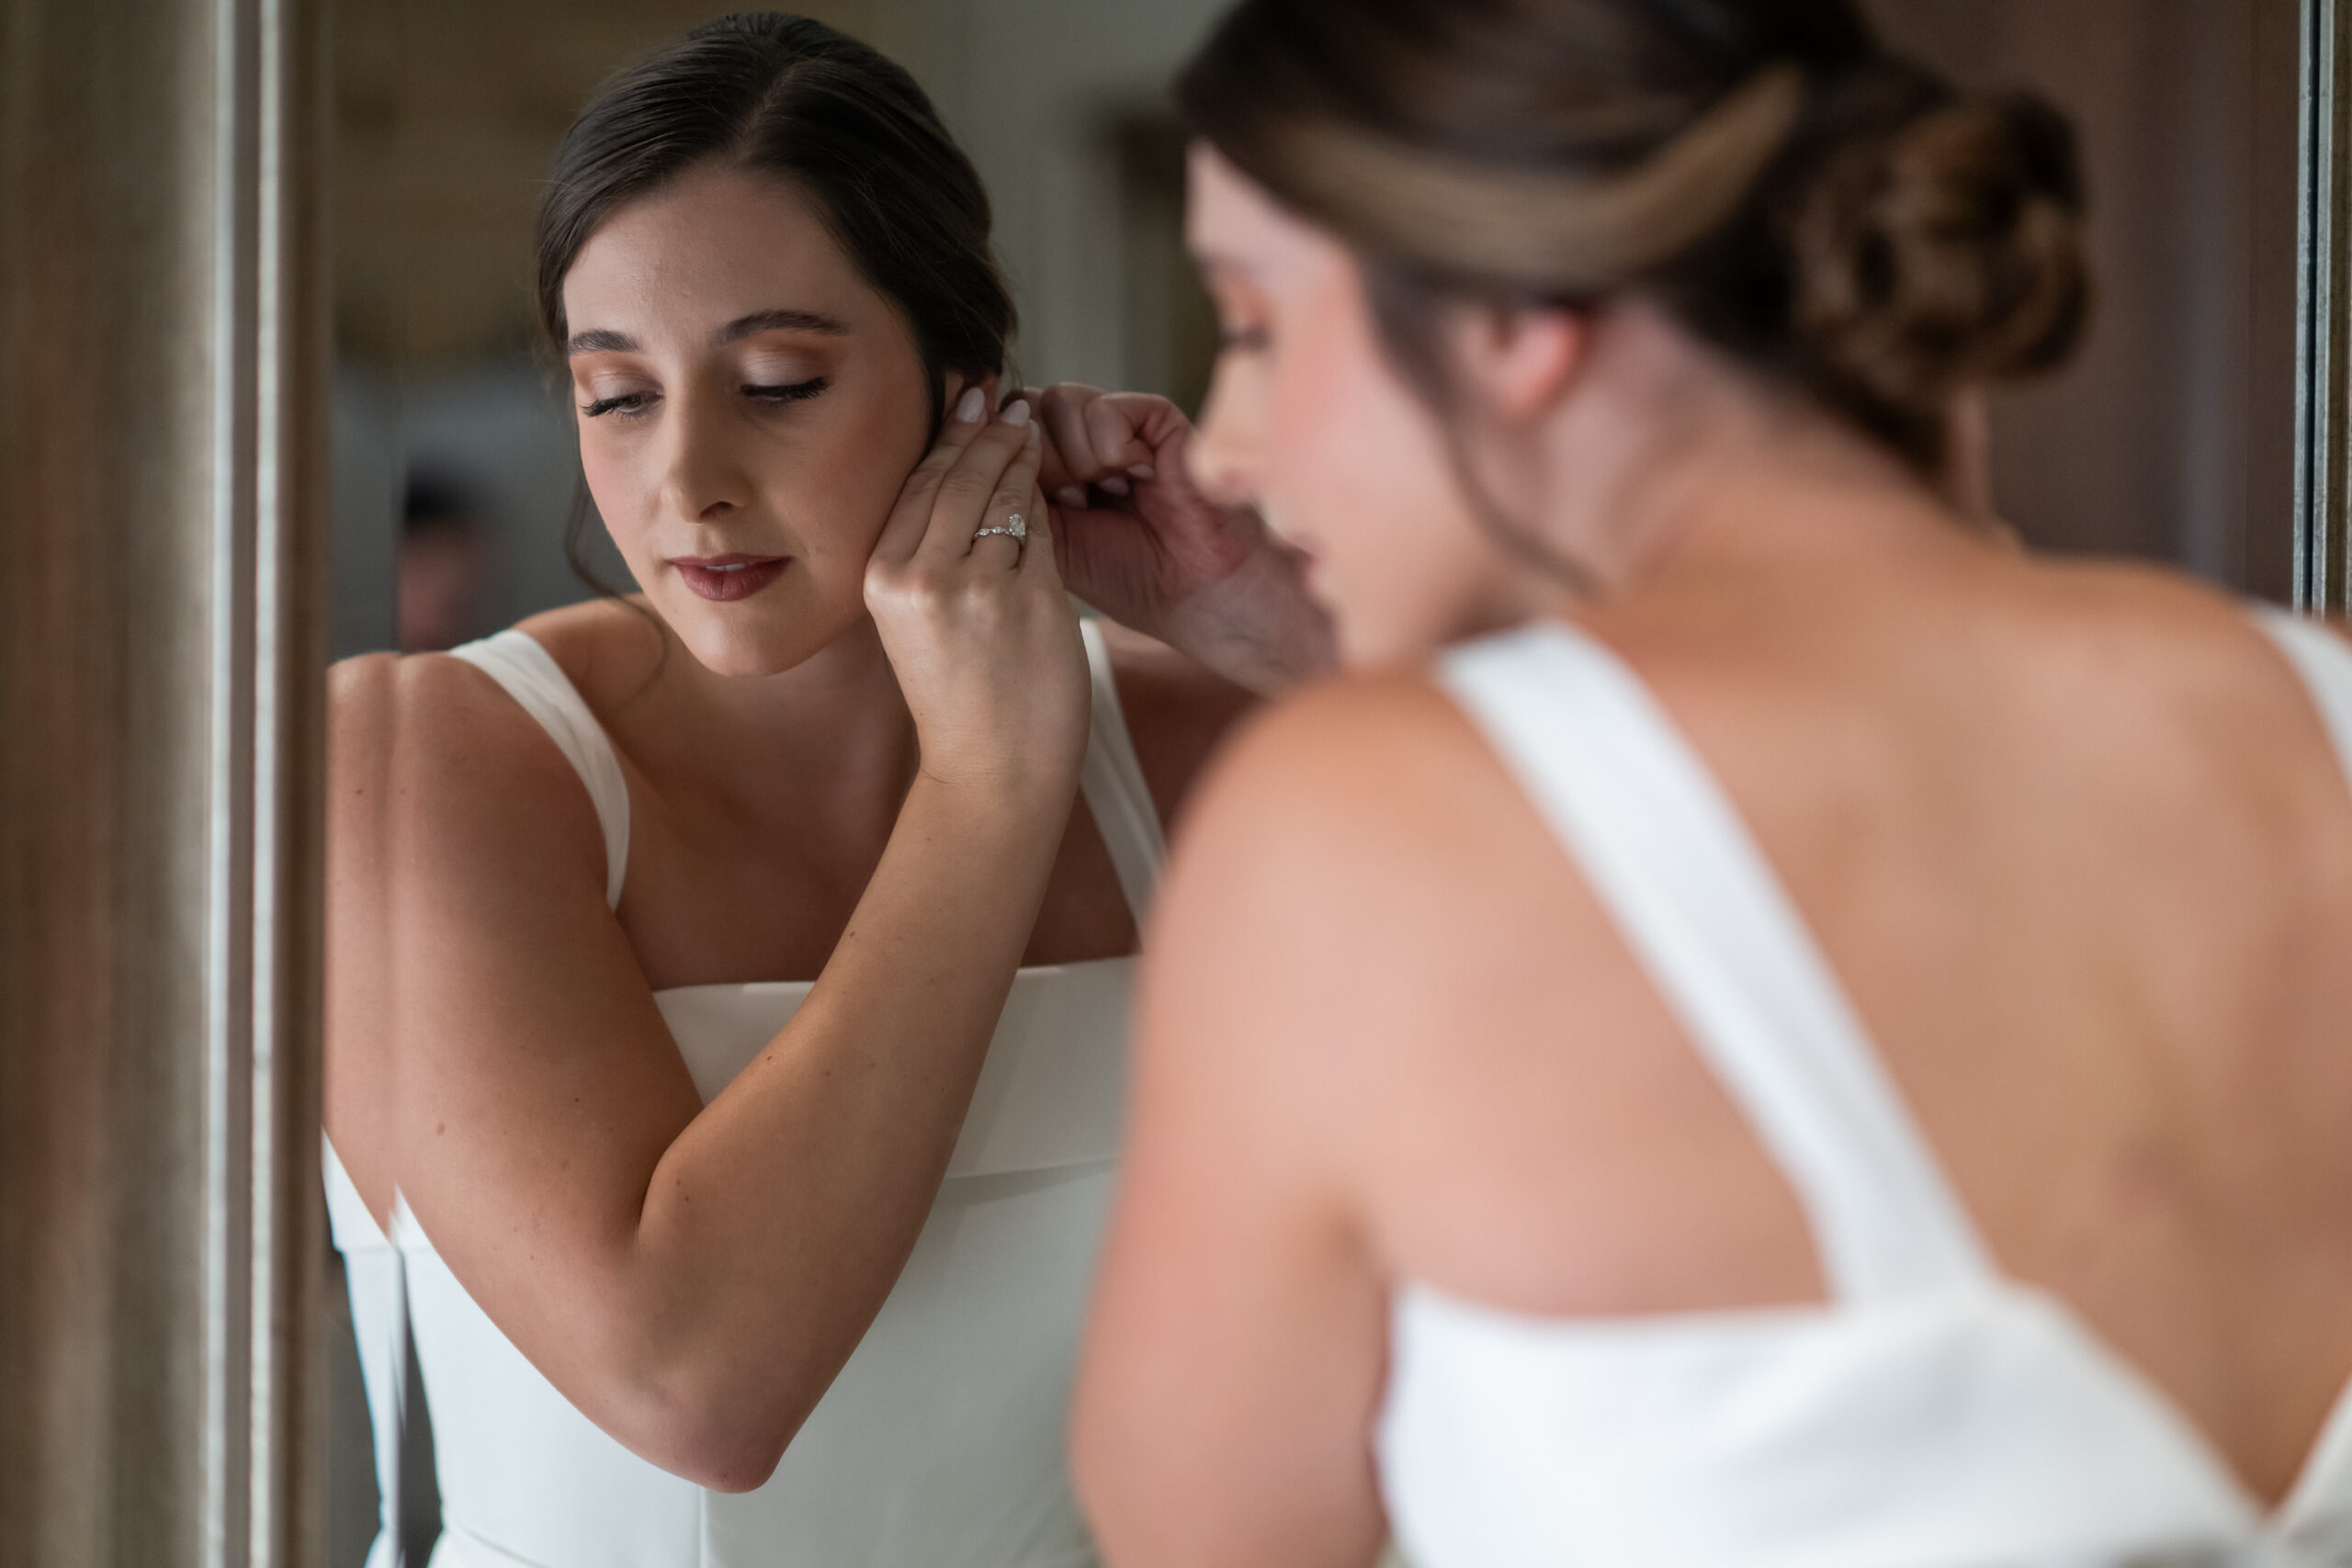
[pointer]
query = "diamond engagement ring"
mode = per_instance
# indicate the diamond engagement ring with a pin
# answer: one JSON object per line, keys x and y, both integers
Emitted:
{"x": 1015, "y": 527}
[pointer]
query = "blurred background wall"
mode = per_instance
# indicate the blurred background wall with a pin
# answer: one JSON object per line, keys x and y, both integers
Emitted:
{"x": 2170, "y": 436}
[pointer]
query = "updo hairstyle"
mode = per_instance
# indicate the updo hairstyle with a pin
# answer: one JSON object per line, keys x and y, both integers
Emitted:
{"x": 1826, "y": 213}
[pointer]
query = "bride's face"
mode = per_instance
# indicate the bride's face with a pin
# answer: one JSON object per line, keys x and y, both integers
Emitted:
{"x": 748, "y": 409}
{"x": 1308, "y": 420}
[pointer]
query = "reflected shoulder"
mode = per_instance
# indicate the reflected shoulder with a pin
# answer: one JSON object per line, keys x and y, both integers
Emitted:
{"x": 452, "y": 748}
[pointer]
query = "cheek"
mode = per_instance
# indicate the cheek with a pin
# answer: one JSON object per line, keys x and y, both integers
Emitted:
{"x": 623, "y": 494}
{"x": 1363, "y": 480}
{"x": 840, "y": 487}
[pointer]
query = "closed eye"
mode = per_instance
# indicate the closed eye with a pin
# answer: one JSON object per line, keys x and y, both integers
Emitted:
{"x": 625, "y": 404}
{"x": 788, "y": 392}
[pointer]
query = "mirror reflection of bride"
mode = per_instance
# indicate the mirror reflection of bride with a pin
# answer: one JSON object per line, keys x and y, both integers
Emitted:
{"x": 728, "y": 984}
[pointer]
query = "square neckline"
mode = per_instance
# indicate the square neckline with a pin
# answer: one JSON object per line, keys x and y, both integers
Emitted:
{"x": 1031, "y": 971}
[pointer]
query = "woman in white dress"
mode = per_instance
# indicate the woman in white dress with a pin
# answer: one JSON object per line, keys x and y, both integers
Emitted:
{"x": 1765, "y": 1025}
{"x": 728, "y": 984}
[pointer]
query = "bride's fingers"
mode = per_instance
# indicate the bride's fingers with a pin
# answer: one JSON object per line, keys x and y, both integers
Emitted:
{"x": 995, "y": 476}
{"x": 1011, "y": 508}
{"x": 910, "y": 519}
{"x": 1065, "y": 410}
{"x": 1119, "y": 430}
{"x": 1037, "y": 563}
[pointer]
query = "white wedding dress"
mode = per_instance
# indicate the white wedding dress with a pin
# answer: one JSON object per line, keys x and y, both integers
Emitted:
{"x": 941, "y": 1443}
{"x": 1934, "y": 1413}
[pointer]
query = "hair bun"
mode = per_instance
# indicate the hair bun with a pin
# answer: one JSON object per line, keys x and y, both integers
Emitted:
{"x": 1944, "y": 252}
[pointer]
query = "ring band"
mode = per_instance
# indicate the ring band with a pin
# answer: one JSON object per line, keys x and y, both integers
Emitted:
{"x": 1015, "y": 527}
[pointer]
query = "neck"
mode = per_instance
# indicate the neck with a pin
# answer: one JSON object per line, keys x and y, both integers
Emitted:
{"x": 1673, "y": 459}
{"x": 837, "y": 718}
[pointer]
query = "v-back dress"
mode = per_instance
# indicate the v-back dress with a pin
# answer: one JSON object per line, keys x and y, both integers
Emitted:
{"x": 1934, "y": 1413}
{"x": 941, "y": 1443}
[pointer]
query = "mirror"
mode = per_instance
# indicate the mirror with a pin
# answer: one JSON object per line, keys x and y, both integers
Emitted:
{"x": 2172, "y": 435}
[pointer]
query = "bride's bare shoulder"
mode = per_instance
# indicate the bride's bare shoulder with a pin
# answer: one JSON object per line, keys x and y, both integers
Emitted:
{"x": 437, "y": 743}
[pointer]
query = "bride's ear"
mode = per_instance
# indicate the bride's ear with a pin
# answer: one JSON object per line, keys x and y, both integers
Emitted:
{"x": 1518, "y": 360}
{"x": 952, "y": 385}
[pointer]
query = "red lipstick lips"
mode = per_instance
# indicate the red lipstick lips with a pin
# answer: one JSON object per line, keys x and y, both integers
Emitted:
{"x": 726, "y": 578}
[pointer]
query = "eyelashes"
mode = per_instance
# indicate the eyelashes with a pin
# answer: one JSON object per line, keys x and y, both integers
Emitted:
{"x": 628, "y": 404}
{"x": 789, "y": 393}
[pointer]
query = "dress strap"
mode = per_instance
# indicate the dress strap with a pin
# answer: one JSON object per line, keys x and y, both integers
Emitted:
{"x": 1665, "y": 852}
{"x": 1112, "y": 778}
{"x": 532, "y": 677}
{"x": 376, "y": 1279}
{"x": 1114, "y": 782}
{"x": 2323, "y": 662}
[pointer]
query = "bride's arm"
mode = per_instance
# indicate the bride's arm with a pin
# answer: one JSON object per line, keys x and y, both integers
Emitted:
{"x": 693, "y": 1278}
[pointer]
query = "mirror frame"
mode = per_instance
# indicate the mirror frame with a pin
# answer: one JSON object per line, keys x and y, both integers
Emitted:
{"x": 2323, "y": 313}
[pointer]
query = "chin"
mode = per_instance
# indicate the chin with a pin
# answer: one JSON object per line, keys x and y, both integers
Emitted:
{"x": 1372, "y": 640}
{"x": 740, "y": 643}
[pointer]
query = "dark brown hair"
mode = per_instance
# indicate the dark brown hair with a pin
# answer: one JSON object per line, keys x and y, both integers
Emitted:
{"x": 790, "y": 97}
{"x": 1825, "y": 212}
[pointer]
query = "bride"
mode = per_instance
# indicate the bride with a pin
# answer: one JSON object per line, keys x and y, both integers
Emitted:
{"x": 728, "y": 983}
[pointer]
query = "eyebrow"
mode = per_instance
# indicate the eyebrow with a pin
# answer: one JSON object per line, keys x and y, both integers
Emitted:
{"x": 787, "y": 321}
{"x": 600, "y": 342}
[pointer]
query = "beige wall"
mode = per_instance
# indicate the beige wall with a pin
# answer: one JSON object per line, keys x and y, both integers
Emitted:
{"x": 447, "y": 114}
{"x": 449, "y": 110}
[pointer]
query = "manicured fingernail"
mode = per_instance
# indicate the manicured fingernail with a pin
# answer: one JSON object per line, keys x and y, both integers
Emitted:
{"x": 1070, "y": 495}
{"x": 968, "y": 406}
{"x": 1017, "y": 411}
{"x": 1114, "y": 484}
{"x": 1140, "y": 470}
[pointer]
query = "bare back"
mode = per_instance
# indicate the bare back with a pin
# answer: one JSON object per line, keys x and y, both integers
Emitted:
{"x": 2071, "y": 838}
{"x": 2078, "y": 849}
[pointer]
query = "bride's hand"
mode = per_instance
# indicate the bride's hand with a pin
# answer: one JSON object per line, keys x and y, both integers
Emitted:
{"x": 977, "y": 626}
{"x": 1136, "y": 539}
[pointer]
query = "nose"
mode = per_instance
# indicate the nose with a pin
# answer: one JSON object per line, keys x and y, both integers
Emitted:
{"x": 1224, "y": 452}
{"x": 704, "y": 477}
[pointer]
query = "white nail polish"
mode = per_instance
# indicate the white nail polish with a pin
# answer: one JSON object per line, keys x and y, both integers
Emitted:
{"x": 1017, "y": 411}
{"x": 1141, "y": 470}
{"x": 968, "y": 406}
{"x": 1115, "y": 485}
{"x": 1070, "y": 495}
